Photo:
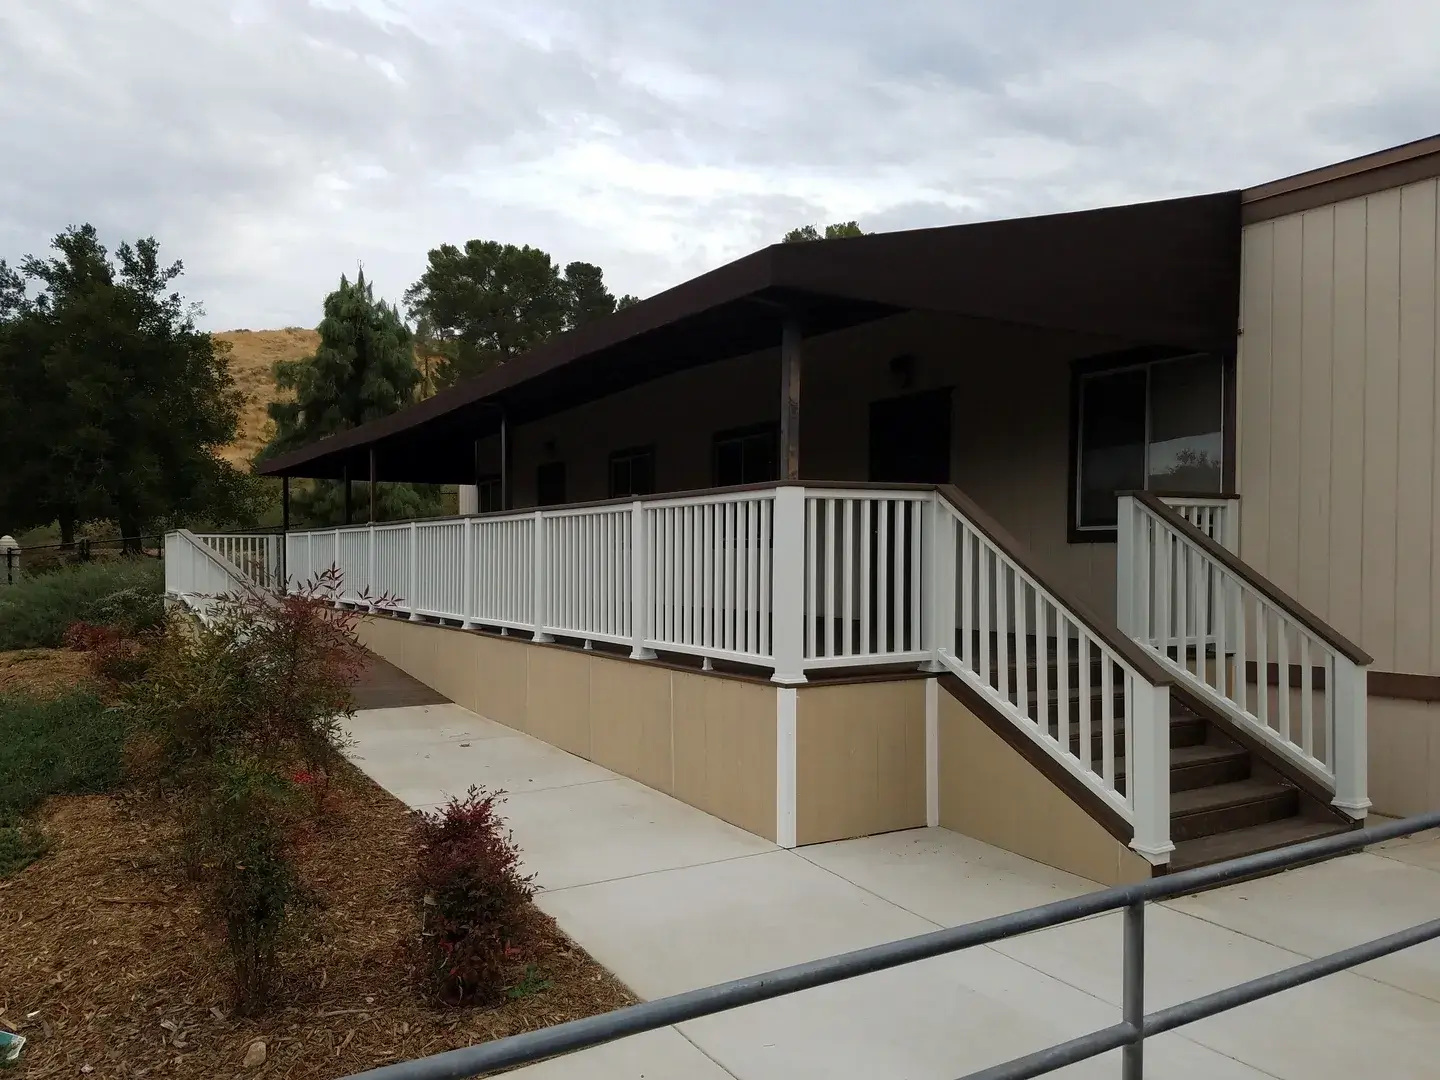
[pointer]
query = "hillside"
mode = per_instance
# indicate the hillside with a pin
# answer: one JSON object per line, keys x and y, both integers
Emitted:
{"x": 252, "y": 355}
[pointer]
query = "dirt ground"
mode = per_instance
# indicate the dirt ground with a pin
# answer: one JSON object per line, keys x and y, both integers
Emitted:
{"x": 109, "y": 967}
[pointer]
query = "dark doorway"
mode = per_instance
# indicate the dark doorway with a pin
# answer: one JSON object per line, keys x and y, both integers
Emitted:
{"x": 910, "y": 439}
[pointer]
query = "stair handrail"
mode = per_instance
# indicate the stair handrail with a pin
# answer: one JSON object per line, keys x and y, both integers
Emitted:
{"x": 1261, "y": 584}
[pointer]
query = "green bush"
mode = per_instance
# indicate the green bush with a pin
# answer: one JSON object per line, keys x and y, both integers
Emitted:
{"x": 35, "y": 613}
{"x": 67, "y": 745}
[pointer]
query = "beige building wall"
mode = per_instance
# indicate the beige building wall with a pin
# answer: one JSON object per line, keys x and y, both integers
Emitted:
{"x": 1009, "y": 428}
{"x": 1339, "y": 418}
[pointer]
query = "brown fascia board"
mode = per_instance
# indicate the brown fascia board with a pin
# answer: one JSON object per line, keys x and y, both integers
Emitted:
{"x": 1408, "y": 163}
{"x": 744, "y": 276}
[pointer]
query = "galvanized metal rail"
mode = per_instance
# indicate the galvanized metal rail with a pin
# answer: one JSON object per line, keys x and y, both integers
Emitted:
{"x": 1129, "y": 1035}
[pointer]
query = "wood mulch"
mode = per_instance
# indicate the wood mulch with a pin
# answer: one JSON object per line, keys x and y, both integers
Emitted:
{"x": 43, "y": 672}
{"x": 110, "y": 968}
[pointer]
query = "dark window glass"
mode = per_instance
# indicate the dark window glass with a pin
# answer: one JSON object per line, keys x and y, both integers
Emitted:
{"x": 1156, "y": 426}
{"x": 1112, "y": 442}
{"x": 746, "y": 457}
{"x": 632, "y": 472}
{"x": 489, "y": 492}
{"x": 550, "y": 483}
{"x": 1186, "y": 417}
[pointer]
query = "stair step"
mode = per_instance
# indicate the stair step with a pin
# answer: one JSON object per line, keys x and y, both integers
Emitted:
{"x": 1197, "y": 760}
{"x": 1223, "y": 808}
{"x": 1186, "y": 730}
{"x": 1204, "y": 850}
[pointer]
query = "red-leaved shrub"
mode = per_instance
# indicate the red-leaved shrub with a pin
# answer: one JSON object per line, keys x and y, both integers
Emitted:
{"x": 111, "y": 654}
{"x": 475, "y": 899}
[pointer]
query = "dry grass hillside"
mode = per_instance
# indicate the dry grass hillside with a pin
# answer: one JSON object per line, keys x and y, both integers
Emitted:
{"x": 252, "y": 356}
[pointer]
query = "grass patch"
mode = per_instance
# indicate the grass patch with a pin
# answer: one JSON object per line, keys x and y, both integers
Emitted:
{"x": 69, "y": 745}
{"x": 35, "y": 613}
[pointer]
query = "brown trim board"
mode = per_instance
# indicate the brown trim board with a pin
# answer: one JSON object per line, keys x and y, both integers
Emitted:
{"x": 1404, "y": 687}
{"x": 1409, "y": 163}
{"x": 1103, "y": 815}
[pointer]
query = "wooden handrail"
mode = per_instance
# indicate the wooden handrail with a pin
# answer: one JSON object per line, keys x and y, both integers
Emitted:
{"x": 1120, "y": 643}
{"x": 1243, "y": 570}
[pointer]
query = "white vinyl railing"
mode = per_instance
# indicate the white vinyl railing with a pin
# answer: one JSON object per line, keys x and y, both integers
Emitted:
{"x": 793, "y": 579}
{"x": 1106, "y": 719}
{"x": 196, "y": 572}
{"x": 1218, "y": 516}
{"x": 1251, "y": 651}
{"x": 257, "y": 554}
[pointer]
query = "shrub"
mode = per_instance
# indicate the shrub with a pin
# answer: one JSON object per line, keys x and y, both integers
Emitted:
{"x": 236, "y": 835}
{"x": 131, "y": 610}
{"x": 67, "y": 745}
{"x": 475, "y": 902}
{"x": 35, "y": 612}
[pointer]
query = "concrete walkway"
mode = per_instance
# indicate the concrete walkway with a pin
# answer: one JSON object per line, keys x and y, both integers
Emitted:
{"x": 671, "y": 899}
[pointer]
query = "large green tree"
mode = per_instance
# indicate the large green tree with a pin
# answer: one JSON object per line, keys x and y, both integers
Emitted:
{"x": 113, "y": 404}
{"x": 486, "y": 303}
{"x": 837, "y": 231}
{"x": 363, "y": 369}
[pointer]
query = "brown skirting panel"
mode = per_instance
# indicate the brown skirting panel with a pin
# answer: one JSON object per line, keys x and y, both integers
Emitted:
{"x": 1398, "y": 684}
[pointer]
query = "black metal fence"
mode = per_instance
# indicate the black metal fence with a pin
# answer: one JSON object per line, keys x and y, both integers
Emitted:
{"x": 1128, "y": 1036}
{"x": 16, "y": 563}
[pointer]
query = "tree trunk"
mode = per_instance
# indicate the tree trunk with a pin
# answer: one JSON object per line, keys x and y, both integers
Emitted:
{"x": 131, "y": 542}
{"x": 67, "y": 529}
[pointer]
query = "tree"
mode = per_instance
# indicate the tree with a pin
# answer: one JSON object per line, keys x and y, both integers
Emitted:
{"x": 837, "y": 231}
{"x": 114, "y": 405}
{"x": 487, "y": 303}
{"x": 363, "y": 369}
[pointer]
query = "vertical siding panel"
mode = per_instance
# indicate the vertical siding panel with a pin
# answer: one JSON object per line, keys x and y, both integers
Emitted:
{"x": 1316, "y": 342}
{"x": 1415, "y": 428}
{"x": 1434, "y": 666}
{"x": 1382, "y": 397}
{"x": 1347, "y": 427}
{"x": 1254, "y": 378}
{"x": 1285, "y": 376}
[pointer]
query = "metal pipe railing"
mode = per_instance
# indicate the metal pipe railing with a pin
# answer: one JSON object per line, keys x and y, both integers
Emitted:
{"x": 1129, "y": 1034}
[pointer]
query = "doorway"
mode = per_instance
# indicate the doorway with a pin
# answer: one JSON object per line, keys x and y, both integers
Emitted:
{"x": 910, "y": 439}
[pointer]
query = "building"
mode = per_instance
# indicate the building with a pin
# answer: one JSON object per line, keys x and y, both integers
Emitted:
{"x": 1106, "y": 537}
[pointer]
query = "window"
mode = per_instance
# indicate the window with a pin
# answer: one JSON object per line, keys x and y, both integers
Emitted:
{"x": 550, "y": 483}
{"x": 746, "y": 456}
{"x": 1158, "y": 426}
{"x": 632, "y": 472}
{"x": 488, "y": 489}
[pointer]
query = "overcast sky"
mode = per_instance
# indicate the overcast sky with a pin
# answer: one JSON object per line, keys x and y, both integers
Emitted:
{"x": 274, "y": 144}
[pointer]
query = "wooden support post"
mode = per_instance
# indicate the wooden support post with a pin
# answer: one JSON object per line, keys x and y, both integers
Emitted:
{"x": 372, "y": 485}
{"x": 349, "y": 495}
{"x": 790, "y": 356}
{"x": 284, "y": 532}
{"x": 504, "y": 459}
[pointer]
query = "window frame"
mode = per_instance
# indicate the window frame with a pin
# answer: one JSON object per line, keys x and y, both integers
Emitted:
{"x": 770, "y": 428}
{"x": 630, "y": 453}
{"x": 490, "y": 482}
{"x": 1081, "y": 370}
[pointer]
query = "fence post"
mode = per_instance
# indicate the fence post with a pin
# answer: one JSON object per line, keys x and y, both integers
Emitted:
{"x": 370, "y": 566}
{"x": 1349, "y": 701}
{"x": 538, "y": 580}
{"x": 1147, "y": 768}
{"x": 413, "y": 572}
{"x": 787, "y": 604}
{"x": 640, "y": 556}
{"x": 467, "y": 577}
{"x": 937, "y": 592}
{"x": 1125, "y": 565}
{"x": 1132, "y": 992}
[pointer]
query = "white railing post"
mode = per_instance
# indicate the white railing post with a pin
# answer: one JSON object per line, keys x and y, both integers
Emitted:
{"x": 1125, "y": 565}
{"x": 1147, "y": 769}
{"x": 467, "y": 575}
{"x": 539, "y": 581}
{"x": 640, "y": 557}
{"x": 938, "y": 587}
{"x": 1349, "y": 700}
{"x": 788, "y": 599}
{"x": 413, "y": 572}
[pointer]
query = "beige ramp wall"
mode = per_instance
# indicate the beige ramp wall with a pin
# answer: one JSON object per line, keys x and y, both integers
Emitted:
{"x": 990, "y": 792}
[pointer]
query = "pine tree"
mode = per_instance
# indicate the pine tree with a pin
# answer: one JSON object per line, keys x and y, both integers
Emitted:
{"x": 363, "y": 369}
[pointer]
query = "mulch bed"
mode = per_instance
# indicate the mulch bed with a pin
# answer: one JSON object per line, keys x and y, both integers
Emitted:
{"x": 43, "y": 672}
{"x": 109, "y": 967}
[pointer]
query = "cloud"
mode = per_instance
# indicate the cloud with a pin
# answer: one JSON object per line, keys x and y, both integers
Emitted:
{"x": 274, "y": 144}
